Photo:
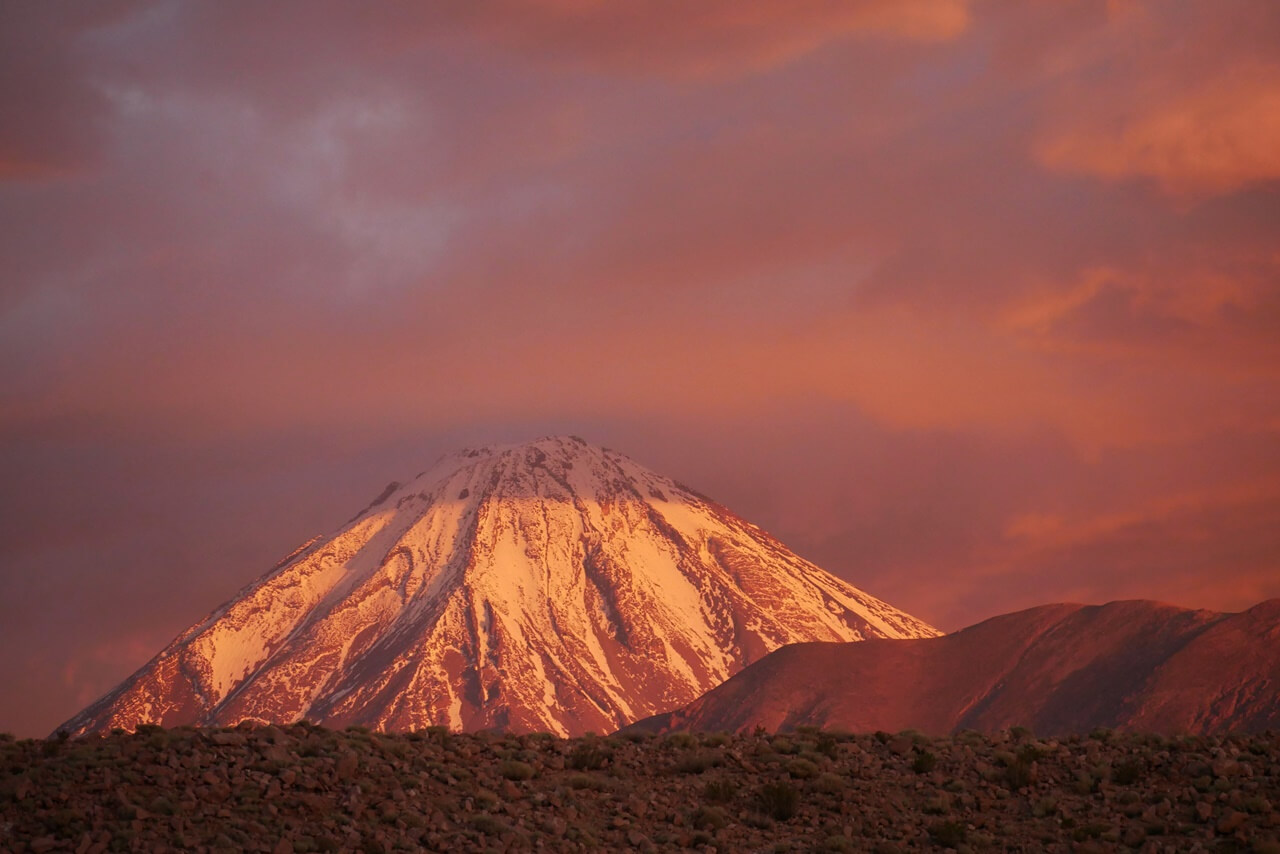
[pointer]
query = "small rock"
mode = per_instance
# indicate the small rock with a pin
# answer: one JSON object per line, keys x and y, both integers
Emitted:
{"x": 1133, "y": 836}
{"x": 1225, "y": 768}
{"x": 347, "y": 765}
{"x": 1230, "y": 822}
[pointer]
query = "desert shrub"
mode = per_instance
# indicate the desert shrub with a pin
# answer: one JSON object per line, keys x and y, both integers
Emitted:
{"x": 1019, "y": 733}
{"x": 698, "y": 761}
{"x": 1045, "y": 807}
{"x": 949, "y": 834}
{"x": 513, "y": 769}
{"x": 1102, "y": 734}
{"x": 709, "y": 818}
{"x": 162, "y": 805}
{"x": 720, "y": 791}
{"x": 1018, "y": 774}
{"x": 882, "y": 736}
{"x": 1031, "y": 753}
{"x": 828, "y": 783}
{"x": 827, "y": 745}
{"x": 838, "y": 843}
{"x": 588, "y": 756}
{"x": 584, "y": 781}
{"x": 802, "y": 769}
{"x": 782, "y": 745}
{"x": 488, "y": 824}
{"x": 1127, "y": 773}
{"x": 778, "y": 800}
{"x": 681, "y": 740}
{"x": 924, "y": 762}
{"x": 717, "y": 739}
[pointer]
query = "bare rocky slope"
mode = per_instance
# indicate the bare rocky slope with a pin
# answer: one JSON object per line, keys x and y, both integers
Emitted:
{"x": 295, "y": 789}
{"x": 1136, "y": 665}
{"x": 553, "y": 586}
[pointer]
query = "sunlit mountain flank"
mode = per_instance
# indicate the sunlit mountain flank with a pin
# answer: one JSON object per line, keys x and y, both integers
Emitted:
{"x": 552, "y": 586}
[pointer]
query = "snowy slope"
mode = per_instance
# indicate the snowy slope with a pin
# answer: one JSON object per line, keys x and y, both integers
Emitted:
{"x": 551, "y": 586}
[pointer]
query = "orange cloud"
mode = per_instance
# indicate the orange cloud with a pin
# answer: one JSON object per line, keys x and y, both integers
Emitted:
{"x": 1218, "y": 320}
{"x": 1210, "y": 139}
{"x": 710, "y": 38}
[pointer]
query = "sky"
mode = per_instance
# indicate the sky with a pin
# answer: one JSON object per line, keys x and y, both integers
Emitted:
{"x": 974, "y": 304}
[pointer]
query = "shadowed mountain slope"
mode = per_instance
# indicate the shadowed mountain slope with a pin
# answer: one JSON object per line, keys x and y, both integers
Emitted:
{"x": 1055, "y": 669}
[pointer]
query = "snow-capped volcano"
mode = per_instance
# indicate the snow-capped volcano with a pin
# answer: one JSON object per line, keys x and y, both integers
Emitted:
{"x": 551, "y": 586}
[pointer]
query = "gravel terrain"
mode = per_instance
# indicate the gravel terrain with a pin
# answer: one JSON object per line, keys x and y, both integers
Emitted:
{"x": 300, "y": 788}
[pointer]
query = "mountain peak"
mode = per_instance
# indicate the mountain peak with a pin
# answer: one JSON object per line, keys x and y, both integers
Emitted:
{"x": 550, "y": 585}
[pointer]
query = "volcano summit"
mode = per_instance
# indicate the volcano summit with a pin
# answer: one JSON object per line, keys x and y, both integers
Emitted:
{"x": 551, "y": 586}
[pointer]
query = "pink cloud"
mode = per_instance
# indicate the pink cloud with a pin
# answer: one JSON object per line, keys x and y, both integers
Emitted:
{"x": 1216, "y": 137}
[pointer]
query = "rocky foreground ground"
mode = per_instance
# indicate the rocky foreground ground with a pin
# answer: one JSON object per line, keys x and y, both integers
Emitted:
{"x": 300, "y": 788}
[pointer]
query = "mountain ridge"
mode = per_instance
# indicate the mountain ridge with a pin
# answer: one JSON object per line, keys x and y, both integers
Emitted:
{"x": 1057, "y": 669}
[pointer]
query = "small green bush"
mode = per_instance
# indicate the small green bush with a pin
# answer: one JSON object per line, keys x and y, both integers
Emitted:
{"x": 682, "y": 740}
{"x": 720, "y": 791}
{"x": 1127, "y": 773}
{"x": 513, "y": 769}
{"x": 588, "y": 757}
{"x": 924, "y": 762}
{"x": 490, "y": 825}
{"x": 584, "y": 781}
{"x": 828, "y": 783}
{"x": 1018, "y": 774}
{"x": 949, "y": 834}
{"x": 779, "y": 800}
{"x": 709, "y": 818}
{"x": 698, "y": 761}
